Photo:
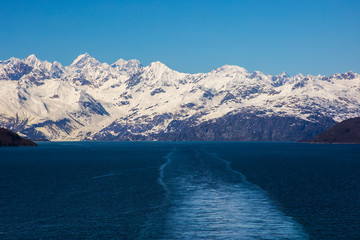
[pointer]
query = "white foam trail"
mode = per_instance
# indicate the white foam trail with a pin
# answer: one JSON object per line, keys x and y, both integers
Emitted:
{"x": 161, "y": 170}
{"x": 228, "y": 167}
{"x": 228, "y": 212}
{"x": 211, "y": 208}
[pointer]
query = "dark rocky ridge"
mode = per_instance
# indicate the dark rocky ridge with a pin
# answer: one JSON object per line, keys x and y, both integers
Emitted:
{"x": 243, "y": 126}
{"x": 249, "y": 127}
{"x": 347, "y": 131}
{"x": 10, "y": 139}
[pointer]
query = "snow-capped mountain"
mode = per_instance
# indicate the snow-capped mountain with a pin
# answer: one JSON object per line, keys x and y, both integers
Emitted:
{"x": 90, "y": 100}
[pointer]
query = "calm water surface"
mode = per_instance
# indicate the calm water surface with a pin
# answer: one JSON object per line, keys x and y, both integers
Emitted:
{"x": 154, "y": 190}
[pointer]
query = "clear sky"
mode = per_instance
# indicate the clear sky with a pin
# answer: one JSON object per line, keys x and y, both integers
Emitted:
{"x": 272, "y": 36}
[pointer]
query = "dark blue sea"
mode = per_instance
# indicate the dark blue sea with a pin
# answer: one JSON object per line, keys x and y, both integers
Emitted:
{"x": 180, "y": 190}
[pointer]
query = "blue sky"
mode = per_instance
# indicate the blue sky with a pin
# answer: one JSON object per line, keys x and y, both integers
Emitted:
{"x": 311, "y": 37}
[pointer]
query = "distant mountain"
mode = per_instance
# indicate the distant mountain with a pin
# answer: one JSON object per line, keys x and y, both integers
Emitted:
{"x": 90, "y": 100}
{"x": 347, "y": 131}
{"x": 10, "y": 139}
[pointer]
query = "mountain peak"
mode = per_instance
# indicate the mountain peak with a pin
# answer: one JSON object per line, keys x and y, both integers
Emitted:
{"x": 119, "y": 62}
{"x": 123, "y": 63}
{"x": 157, "y": 63}
{"x": 299, "y": 75}
{"x": 85, "y": 60}
{"x": 32, "y": 59}
{"x": 158, "y": 66}
{"x": 230, "y": 68}
{"x": 284, "y": 74}
{"x": 131, "y": 66}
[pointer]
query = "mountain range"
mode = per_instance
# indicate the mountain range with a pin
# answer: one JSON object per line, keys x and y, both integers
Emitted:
{"x": 90, "y": 100}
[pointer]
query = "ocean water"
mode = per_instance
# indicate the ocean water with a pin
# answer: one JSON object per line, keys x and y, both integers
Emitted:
{"x": 180, "y": 190}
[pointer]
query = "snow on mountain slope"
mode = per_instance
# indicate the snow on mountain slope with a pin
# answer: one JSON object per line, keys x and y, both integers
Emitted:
{"x": 129, "y": 67}
{"x": 124, "y": 100}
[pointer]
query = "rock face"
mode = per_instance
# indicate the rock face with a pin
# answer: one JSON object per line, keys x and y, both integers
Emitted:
{"x": 247, "y": 127}
{"x": 90, "y": 100}
{"x": 10, "y": 139}
{"x": 347, "y": 131}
